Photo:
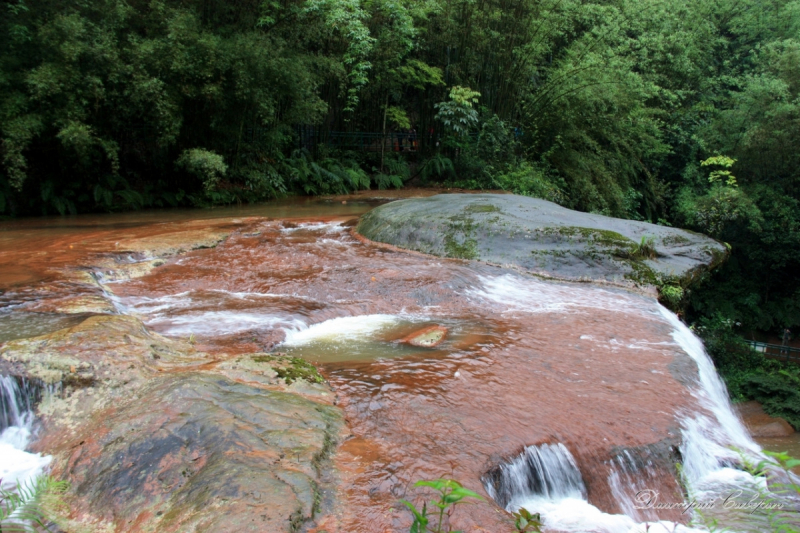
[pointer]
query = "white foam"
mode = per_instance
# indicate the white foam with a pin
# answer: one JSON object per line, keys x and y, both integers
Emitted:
{"x": 329, "y": 227}
{"x": 578, "y": 515}
{"x": 530, "y": 295}
{"x": 707, "y": 441}
{"x": 204, "y": 313}
{"x": 350, "y": 328}
{"x": 212, "y": 323}
{"x": 17, "y": 465}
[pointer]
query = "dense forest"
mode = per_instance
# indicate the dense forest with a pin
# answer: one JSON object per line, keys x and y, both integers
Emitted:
{"x": 670, "y": 111}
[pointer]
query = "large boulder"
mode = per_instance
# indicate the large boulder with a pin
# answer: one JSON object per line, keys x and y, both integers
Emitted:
{"x": 543, "y": 238}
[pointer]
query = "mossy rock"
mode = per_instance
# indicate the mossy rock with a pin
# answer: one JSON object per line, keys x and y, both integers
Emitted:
{"x": 544, "y": 238}
{"x": 291, "y": 369}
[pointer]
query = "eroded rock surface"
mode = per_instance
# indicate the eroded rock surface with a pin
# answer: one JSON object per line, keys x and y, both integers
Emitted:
{"x": 155, "y": 435}
{"x": 542, "y": 237}
{"x": 198, "y": 452}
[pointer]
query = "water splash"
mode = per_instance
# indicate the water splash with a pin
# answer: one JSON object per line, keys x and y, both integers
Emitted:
{"x": 714, "y": 440}
{"x": 347, "y": 328}
{"x": 546, "y": 480}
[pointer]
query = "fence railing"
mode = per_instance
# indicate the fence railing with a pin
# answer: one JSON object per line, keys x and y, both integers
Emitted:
{"x": 777, "y": 351}
{"x": 310, "y": 137}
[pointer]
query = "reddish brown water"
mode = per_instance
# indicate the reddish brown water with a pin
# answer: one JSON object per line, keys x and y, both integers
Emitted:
{"x": 590, "y": 374}
{"x": 525, "y": 361}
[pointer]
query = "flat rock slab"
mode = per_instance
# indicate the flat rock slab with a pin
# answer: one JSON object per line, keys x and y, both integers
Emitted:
{"x": 543, "y": 238}
{"x": 201, "y": 453}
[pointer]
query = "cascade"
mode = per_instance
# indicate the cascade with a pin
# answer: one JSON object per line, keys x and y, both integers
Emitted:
{"x": 546, "y": 479}
{"x": 546, "y": 471}
{"x": 17, "y": 398}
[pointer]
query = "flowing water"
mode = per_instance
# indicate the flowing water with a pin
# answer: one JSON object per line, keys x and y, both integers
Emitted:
{"x": 571, "y": 400}
{"x": 17, "y": 466}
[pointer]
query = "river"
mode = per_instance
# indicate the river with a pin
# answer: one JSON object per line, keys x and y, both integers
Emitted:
{"x": 526, "y": 366}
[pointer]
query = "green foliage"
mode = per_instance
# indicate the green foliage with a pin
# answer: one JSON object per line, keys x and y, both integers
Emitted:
{"x": 720, "y": 175}
{"x": 777, "y": 389}
{"x": 398, "y": 117}
{"x": 458, "y": 113}
{"x": 451, "y": 493}
{"x": 671, "y": 295}
{"x": 528, "y": 180}
{"x": 437, "y": 167}
{"x": 205, "y": 165}
{"x": 526, "y": 522}
{"x": 646, "y": 249}
{"x": 291, "y": 369}
{"x": 21, "y": 509}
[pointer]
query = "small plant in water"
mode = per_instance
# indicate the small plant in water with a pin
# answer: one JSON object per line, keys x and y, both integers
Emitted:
{"x": 451, "y": 493}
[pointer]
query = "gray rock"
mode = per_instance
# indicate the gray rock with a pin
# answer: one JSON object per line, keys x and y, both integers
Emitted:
{"x": 543, "y": 238}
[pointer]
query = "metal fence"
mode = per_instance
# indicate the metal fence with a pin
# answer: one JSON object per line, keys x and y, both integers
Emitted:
{"x": 777, "y": 351}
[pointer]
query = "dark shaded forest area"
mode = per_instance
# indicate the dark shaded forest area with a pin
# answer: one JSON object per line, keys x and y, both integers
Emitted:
{"x": 675, "y": 112}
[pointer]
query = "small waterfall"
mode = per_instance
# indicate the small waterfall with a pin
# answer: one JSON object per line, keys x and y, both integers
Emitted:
{"x": 17, "y": 398}
{"x": 16, "y": 401}
{"x": 707, "y": 441}
{"x": 630, "y": 476}
{"x": 546, "y": 479}
{"x": 547, "y": 471}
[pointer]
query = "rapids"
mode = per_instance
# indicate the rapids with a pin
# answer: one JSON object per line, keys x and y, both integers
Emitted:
{"x": 604, "y": 381}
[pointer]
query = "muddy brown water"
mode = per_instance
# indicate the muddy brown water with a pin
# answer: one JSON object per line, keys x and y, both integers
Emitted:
{"x": 525, "y": 361}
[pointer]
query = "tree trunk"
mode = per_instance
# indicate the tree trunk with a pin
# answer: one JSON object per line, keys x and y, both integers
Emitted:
{"x": 383, "y": 136}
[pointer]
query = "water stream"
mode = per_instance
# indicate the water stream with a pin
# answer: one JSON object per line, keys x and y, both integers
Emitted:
{"x": 567, "y": 399}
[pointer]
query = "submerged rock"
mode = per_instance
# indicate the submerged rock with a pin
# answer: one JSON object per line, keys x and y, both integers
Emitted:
{"x": 429, "y": 337}
{"x": 543, "y": 238}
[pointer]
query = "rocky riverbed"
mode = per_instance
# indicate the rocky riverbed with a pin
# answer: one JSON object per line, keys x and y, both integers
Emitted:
{"x": 284, "y": 374}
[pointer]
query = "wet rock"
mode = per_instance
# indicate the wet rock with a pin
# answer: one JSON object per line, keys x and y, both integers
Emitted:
{"x": 176, "y": 242}
{"x": 760, "y": 424}
{"x": 121, "y": 268}
{"x": 74, "y": 305}
{"x": 154, "y": 435}
{"x": 199, "y": 452}
{"x": 428, "y": 337}
{"x": 118, "y": 349}
{"x": 277, "y": 372}
{"x": 544, "y": 238}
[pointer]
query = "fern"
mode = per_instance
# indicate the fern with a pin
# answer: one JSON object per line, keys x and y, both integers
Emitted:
{"x": 21, "y": 509}
{"x": 384, "y": 181}
{"x": 438, "y": 166}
